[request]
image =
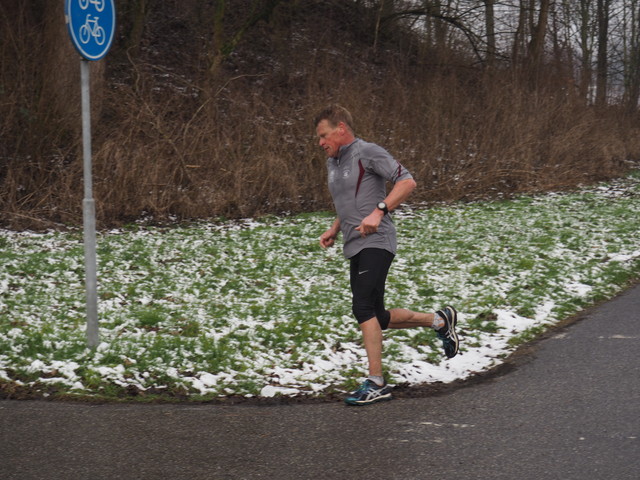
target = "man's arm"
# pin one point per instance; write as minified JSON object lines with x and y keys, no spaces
{"x":328,"y":238}
{"x":398,"y":194}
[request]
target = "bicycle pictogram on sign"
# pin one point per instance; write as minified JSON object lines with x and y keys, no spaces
{"x":91,"y":26}
{"x":99,"y":4}
{"x":87,"y":32}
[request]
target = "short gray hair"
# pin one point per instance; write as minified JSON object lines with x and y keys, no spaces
{"x":335,"y":114}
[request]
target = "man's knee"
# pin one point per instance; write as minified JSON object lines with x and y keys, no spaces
{"x":364,"y":312}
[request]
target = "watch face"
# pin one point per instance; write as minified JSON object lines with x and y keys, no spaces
{"x":382,"y":205}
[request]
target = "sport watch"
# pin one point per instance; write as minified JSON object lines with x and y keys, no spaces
{"x":382,"y":206}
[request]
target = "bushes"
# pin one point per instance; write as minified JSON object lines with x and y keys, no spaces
{"x":171,"y":139}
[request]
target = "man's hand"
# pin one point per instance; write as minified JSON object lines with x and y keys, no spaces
{"x":370,"y":223}
{"x":328,"y":238}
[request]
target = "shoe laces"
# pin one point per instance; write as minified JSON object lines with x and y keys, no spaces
{"x":366,"y":386}
{"x":444,"y":333}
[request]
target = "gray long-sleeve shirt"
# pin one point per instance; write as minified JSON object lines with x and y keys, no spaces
{"x":357,"y":182}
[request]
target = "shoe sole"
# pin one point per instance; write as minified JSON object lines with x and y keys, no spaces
{"x":356,"y":403}
{"x":454,"y":314}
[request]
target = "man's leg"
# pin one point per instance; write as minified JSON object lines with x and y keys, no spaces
{"x":372,"y":337}
{"x":400,"y":318}
{"x":403,"y":318}
{"x":443,"y":322}
{"x":368,"y":273}
{"x":374,"y":389}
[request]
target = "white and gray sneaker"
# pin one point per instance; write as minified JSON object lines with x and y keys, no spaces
{"x":368,"y":393}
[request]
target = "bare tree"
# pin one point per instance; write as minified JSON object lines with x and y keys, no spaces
{"x":539,"y":32}
{"x":522,"y":30}
{"x":587,"y":28}
{"x":223,"y":43}
{"x":134,"y":17}
{"x":440,"y":19}
{"x":602,"y":63}
{"x":490,"y":25}
{"x":632,"y":56}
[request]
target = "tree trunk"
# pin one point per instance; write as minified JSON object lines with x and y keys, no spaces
{"x":586,"y":47}
{"x":632,"y":64}
{"x":218,"y":36}
{"x":137,"y":17}
{"x":520,"y":35}
{"x":490,"y":22}
{"x":536,"y":46}
{"x":603,"y":43}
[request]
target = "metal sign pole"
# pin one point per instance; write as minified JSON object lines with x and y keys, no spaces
{"x":89,"y":213}
{"x":91,"y":25}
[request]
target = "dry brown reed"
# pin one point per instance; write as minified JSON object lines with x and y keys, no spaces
{"x":173,"y":142}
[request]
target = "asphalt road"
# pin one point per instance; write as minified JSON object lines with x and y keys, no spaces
{"x":568,"y":409}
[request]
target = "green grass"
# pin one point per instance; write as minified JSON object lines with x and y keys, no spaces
{"x":217,"y":309}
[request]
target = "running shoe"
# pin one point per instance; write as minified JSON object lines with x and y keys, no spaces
{"x":369,"y":393}
{"x":448,"y":333}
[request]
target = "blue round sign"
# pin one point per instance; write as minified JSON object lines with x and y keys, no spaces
{"x":91,"y":25}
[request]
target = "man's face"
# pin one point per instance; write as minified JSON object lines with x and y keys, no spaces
{"x":331,"y":138}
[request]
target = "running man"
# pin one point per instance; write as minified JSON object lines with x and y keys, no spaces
{"x":357,"y":175}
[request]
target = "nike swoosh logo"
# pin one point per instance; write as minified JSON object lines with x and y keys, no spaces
{"x":360,"y":273}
